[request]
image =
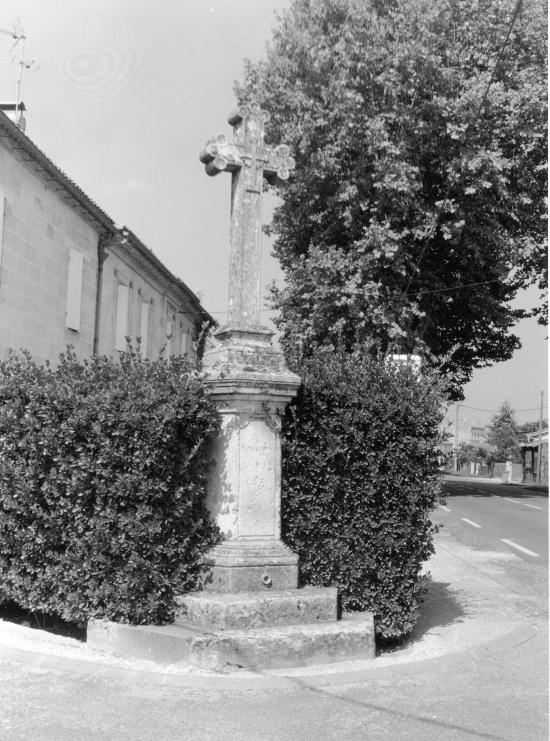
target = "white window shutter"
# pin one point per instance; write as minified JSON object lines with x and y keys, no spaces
{"x":144,"y":328}
{"x":74,"y":290}
{"x":2,"y":209}
{"x":121,"y":331}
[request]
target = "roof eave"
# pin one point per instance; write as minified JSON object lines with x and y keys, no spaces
{"x":93,"y":213}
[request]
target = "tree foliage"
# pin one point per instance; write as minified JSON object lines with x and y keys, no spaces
{"x":414,"y":213}
{"x":469,"y":453}
{"x":505,"y":435}
{"x":528,"y":427}
{"x":102,"y":486}
{"x":359,"y":481}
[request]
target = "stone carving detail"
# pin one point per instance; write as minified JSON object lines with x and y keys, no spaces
{"x":273,"y":418}
{"x":248,"y":147}
{"x":241,"y":419}
{"x":238,"y":422}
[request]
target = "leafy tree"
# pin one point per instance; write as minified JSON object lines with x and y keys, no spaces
{"x":468,"y":453}
{"x":505,"y":435}
{"x":416,"y":208}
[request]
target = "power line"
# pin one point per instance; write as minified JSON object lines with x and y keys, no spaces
{"x":457,"y":288}
{"x":418,"y":293}
{"x":476,"y":409}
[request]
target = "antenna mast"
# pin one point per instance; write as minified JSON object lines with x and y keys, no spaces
{"x":18,"y":34}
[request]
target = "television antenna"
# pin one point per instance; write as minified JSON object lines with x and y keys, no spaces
{"x":17,"y":33}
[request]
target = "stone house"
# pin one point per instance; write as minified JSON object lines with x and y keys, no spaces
{"x":70,"y":276}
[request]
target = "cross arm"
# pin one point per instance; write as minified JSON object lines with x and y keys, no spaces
{"x":219,"y":155}
{"x":279,"y":164}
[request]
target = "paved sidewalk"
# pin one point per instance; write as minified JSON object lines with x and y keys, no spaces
{"x":475,"y":667}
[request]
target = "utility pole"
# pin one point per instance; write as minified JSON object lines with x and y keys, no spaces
{"x":456,"y":437}
{"x":539,"y":456}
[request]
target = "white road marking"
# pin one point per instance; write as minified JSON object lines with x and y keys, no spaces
{"x":470,"y":522}
{"x":442,"y":506}
{"x":484,"y":492}
{"x":515,"y":501}
{"x":519,"y":547}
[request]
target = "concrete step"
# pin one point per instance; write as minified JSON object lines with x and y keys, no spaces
{"x":256,"y":648}
{"x":259,"y":609}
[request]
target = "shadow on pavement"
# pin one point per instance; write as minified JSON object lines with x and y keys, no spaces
{"x":542,"y":491}
{"x":440,"y":607}
{"x":516,"y":491}
{"x":449,"y":493}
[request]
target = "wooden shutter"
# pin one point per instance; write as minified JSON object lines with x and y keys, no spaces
{"x":121,"y":331}
{"x":74,"y":290}
{"x":144,"y":328}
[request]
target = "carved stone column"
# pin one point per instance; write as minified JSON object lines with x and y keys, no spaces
{"x":251,"y":387}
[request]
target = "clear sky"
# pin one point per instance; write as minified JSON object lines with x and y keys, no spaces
{"x":124,"y":96}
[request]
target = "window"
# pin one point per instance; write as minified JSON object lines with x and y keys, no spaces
{"x":144,"y":328}
{"x":121,"y":330}
{"x":171,"y":330}
{"x":186,"y":342}
{"x":74,"y":290}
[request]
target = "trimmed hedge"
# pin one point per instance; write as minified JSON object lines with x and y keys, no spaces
{"x":359,"y":480}
{"x":102,"y":485}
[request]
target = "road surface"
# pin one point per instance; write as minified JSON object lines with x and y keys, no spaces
{"x":502,"y":517}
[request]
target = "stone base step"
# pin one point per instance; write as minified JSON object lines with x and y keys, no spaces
{"x":259,"y":609}
{"x":257,"y":648}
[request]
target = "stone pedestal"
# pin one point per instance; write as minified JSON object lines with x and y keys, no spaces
{"x":251,"y":387}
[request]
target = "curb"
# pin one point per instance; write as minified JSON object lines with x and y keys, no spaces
{"x":257,"y":680}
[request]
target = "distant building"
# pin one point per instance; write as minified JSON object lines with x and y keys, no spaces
{"x":478,"y":435}
{"x":530,"y":456}
{"x":70,"y":276}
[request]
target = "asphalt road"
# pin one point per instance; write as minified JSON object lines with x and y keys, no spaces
{"x":501,"y":517}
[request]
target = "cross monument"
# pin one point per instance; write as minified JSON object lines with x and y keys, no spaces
{"x":248,"y":379}
{"x":249,"y":160}
{"x":250,"y":610}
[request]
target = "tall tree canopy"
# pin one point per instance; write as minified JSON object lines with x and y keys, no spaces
{"x":505,"y":435}
{"x":416,"y":210}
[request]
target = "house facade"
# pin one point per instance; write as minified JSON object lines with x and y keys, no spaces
{"x":70,"y":276}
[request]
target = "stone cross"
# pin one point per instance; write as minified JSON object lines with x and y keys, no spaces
{"x":247,"y":380}
{"x":249,"y":160}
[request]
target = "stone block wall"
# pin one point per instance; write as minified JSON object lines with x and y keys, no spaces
{"x":39,"y":231}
